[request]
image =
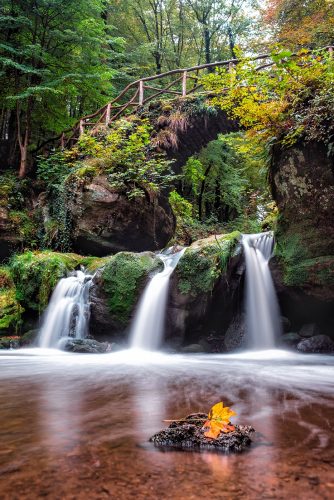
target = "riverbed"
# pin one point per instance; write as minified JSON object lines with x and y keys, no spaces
{"x":77,"y":426}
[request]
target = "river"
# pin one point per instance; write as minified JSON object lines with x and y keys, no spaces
{"x":77,"y":426}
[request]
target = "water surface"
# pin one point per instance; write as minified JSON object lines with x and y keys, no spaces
{"x":77,"y":426}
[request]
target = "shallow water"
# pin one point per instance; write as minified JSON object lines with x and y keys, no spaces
{"x":77,"y":426}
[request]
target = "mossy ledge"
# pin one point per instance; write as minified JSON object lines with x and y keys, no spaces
{"x":35,"y":275}
{"x":204,"y":261}
{"x":123,"y":278}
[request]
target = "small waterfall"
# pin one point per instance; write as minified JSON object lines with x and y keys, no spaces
{"x":148,"y":324}
{"x":67,"y":314}
{"x":262,"y":310}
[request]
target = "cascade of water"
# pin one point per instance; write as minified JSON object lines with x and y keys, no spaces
{"x":67,"y":314}
{"x":262,"y":310}
{"x":148,"y":324}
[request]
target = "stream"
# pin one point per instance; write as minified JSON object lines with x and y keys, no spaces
{"x":77,"y":426}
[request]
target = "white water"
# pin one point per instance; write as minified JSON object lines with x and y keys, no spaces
{"x":148,"y":324}
{"x":67,"y":314}
{"x":262,"y":310}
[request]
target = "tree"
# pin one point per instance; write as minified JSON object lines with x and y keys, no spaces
{"x":54,"y":66}
{"x":297,"y":24}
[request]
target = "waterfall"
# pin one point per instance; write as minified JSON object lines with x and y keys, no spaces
{"x":262,"y":310}
{"x":148,"y":324}
{"x":67,"y":314}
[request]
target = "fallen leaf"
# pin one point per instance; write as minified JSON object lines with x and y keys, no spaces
{"x":218,"y":421}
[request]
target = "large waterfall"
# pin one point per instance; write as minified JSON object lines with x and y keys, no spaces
{"x":67,"y":314}
{"x":262,"y":310}
{"x":148,"y":325}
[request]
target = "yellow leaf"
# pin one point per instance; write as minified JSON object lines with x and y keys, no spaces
{"x":218,"y":421}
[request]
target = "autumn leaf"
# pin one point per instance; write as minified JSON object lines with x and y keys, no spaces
{"x":218,"y":421}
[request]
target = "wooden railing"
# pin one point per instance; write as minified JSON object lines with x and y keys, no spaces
{"x":140,"y":92}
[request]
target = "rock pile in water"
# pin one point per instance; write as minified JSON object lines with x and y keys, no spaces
{"x":187,"y":434}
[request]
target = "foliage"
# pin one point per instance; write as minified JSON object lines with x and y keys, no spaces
{"x":218,"y":421}
{"x":278,"y":103}
{"x":123,"y":278}
{"x":36,"y":274}
{"x":296,"y":24}
{"x":182,"y":208}
{"x":10,"y":310}
{"x":54,"y":64}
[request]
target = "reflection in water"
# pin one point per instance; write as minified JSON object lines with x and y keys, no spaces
{"x":96,"y":413}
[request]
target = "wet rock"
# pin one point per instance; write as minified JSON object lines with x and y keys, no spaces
{"x":309,"y":330}
{"x":9,"y":342}
{"x":235,"y":336}
{"x":29,"y":337}
{"x":105,"y":221}
{"x":317,"y":344}
{"x":290,"y":339}
{"x":193,"y":348}
{"x":187,"y":434}
{"x":87,"y":346}
{"x":286,"y":324}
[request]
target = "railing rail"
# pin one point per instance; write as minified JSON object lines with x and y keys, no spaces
{"x":143,"y":92}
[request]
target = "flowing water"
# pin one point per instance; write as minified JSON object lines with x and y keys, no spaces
{"x":77,"y":426}
{"x":262,"y":310}
{"x":148,"y":324}
{"x":67,"y":314}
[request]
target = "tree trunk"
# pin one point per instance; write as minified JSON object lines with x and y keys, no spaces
{"x":200,"y":197}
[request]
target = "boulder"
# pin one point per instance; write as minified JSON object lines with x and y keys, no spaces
{"x":317,"y":344}
{"x":106,"y":221}
{"x":193,"y":349}
{"x":115,"y":291}
{"x":309,"y":330}
{"x":290,"y":339}
{"x":286,"y":324}
{"x":235,"y":336}
{"x":29,"y":338}
{"x":85,"y":346}
{"x":207,"y":281}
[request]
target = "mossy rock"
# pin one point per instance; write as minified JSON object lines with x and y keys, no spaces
{"x":123,"y":278}
{"x":204,"y":261}
{"x":10,"y":310}
{"x":36,"y":274}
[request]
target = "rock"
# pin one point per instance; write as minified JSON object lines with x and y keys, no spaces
{"x":29,"y":337}
{"x":309,"y":330}
{"x":188,"y":435}
{"x":115,"y":291}
{"x":290,"y":339}
{"x":9,"y":342}
{"x":286,"y":324}
{"x":105,"y":221}
{"x":317,"y":344}
{"x":207,"y":281}
{"x":235,"y":336}
{"x":87,"y":346}
{"x":193,"y":348}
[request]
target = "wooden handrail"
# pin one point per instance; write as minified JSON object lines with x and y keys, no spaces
{"x":114,"y":109}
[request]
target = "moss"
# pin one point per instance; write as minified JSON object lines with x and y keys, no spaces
{"x":123,"y":277}
{"x":300,"y":266}
{"x":23,"y":225}
{"x":10,"y":310}
{"x":35,"y":275}
{"x":203,"y":263}
{"x":92,"y":264}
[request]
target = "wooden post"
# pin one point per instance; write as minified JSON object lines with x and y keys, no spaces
{"x":62,"y":141}
{"x":331,"y":50}
{"x":141,"y":93}
{"x":107,"y":119}
{"x":81,"y":128}
{"x":184,"y":84}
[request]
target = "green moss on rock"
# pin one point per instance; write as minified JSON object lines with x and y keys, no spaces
{"x":203,"y":263}
{"x":10,"y":310}
{"x":123,"y":278}
{"x":35,"y":275}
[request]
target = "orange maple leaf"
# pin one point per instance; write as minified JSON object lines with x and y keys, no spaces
{"x":218,"y":421}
